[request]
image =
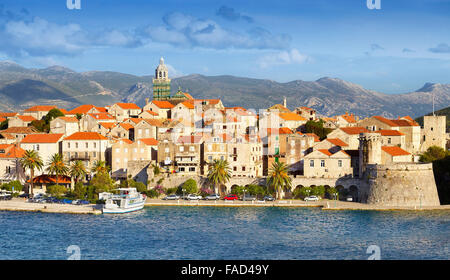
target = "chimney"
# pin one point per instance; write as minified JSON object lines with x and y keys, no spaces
{"x":146,"y":100}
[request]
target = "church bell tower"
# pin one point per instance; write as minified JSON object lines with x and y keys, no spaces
{"x":161,"y":82}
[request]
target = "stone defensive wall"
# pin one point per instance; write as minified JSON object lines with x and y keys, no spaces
{"x":401,"y":184}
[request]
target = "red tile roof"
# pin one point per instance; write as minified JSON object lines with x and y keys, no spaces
{"x":337,"y":142}
{"x":152,"y":113}
{"x":149,"y":141}
{"x":86,"y":136}
{"x":316,"y":138}
{"x":405,"y":123}
{"x":68,"y":119}
{"x":325,"y":151}
{"x":128,"y":106}
{"x":188,"y":104}
{"x":27,"y":118}
{"x":51,"y":179}
{"x":11,"y":151}
{"x":163,"y":104}
{"x":395,"y":151}
{"x":389,"y":132}
{"x":384,"y":120}
{"x":19,"y":130}
{"x":281,"y":130}
{"x":7,"y":114}
{"x":42,"y":138}
{"x":108,"y":125}
{"x":102,"y":116}
{"x":126,"y":126}
{"x":354,"y":130}
{"x":83,"y":109}
{"x":291,"y":117}
{"x":40,"y":108}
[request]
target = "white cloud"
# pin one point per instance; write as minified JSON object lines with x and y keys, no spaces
{"x":187,"y":31}
{"x":292,"y":56}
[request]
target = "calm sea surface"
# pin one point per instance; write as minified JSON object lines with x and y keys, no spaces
{"x":227,"y":233}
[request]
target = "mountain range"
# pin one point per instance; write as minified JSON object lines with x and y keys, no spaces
{"x":22,"y":87}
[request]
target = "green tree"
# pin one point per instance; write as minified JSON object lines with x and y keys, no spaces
{"x":318,"y":191}
{"x":317,"y":128}
{"x":77,"y":170}
{"x":190,"y":186}
{"x":13,"y":185}
{"x":433,"y":153}
{"x":332,"y":192}
{"x":4,"y":124}
{"x":238,"y":190}
{"x":156,"y":169}
{"x":31,"y":161}
{"x":52,"y":114}
{"x":100,"y":167}
{"x":219,"y":173}
{"x":80,"y":190}
{"x":56,"y":190}
{"x":302,"y":192}
{"x":40,"y":126}
{"x":255,"y":190}
{"x":57,"y":166}
{"x":278,"y":178}
{"x":101,"y":182}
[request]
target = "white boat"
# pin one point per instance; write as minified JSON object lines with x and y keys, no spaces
{"x":128,"y":200}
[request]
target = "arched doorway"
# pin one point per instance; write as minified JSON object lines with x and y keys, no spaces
{"x":354,"y":193}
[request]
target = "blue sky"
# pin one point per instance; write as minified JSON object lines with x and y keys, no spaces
{"x":395,"y":49}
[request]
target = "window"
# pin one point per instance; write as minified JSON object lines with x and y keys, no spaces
{"x":192,"y":148}
{"x":68,"y":145}
{"x":235,"y":159}
{"x":181,"y":148}
{"x":76,"y":145}
{"x":311,"y":163}
{"x":126,"y":150}
{"x":340,"y":163}
{"x":87,"y":145}
{"x":95,"y":154}
{"x":95,"y":145}
{"x":322,"y":163}
{"x":243,"y":168}
{"x":210,"y":158}
{"x":191,"y":169}
{"x":389,"y":140}
{"x":209,"y":147}
{"x":166,"y":150}
{"x":234,"y":168}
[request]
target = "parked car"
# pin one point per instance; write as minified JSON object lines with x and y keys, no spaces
{"x":349,"y":198}
{"x":172,"y":197}
{"x":212,"y":197}
{"x":231,"y":197}
{"x":82,"y":202}
{"x":269,"y":198}
{"x":24,"y":195}
{"x":312,"y":198}
{"x":248,"y":198}
{"x":193,"y":197}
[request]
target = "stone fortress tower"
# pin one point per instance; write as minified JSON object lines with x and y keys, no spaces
{"x":161,"y":82}
{"x":369,"y":150}
{"x":396,"y":184}
{"x":433,"y":132}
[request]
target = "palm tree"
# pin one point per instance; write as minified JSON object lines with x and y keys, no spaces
{"x":100,"y":167}
{"x":57,"y":166}
{"x":31,"y":160}
{"x":219,"y":173}
{"x":279,"y":178}
{"x":77,"y":170}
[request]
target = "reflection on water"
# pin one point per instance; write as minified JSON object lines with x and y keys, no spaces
{"x":227,"y":233}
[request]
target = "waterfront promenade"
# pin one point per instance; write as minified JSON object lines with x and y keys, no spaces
{"x":17,"y":204}
{"x":325,"y":204}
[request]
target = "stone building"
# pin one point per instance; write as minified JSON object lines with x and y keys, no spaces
{"x":433,"y":132}
{"x":324,"y":164}
{"x":46,"y":145}
{"x":64,"y":125}
{"x":88,"y":147}
{"x":10,"y":167}
{"x":122,"y":111}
